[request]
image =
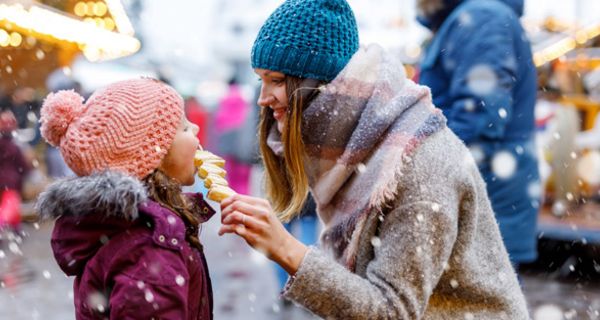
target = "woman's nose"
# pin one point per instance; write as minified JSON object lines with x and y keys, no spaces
{"x":264,"y":99}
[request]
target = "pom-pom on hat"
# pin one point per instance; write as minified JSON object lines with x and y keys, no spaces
{"x":307,"y":38}
{"x":127,"y":126}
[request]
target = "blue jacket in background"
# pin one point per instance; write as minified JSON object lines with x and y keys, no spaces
{"x":480,"y":70}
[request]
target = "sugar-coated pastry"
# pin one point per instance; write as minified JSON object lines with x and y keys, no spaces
{"x":206,"y":169}
{"x":219,"y":193}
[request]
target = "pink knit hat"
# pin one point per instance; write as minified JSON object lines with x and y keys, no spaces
{"x":128,"y":126}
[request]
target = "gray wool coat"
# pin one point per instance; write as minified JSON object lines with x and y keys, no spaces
{"x":437,"y":252}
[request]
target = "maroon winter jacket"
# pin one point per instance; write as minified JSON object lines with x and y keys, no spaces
{"x":13,"y":166}
{"x":128,"y":254}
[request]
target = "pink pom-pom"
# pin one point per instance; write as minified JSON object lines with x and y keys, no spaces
{"x":58,"y":111}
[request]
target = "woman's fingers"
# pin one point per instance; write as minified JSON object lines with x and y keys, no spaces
{"x":247,"y":199}
{"x":238,"y":229}
{"x":245,"y":208}
{"x":237,"y":217}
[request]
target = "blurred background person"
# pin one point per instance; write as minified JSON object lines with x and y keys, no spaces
{"x":229,"y":122}
{"x":197,"y":115}
{"x":480,"y":70}
{"x":14,"y":169}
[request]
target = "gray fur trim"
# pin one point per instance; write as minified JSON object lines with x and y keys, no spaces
{"x":108,"y":192}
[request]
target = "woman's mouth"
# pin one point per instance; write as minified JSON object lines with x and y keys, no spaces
{"x":279,"y":113}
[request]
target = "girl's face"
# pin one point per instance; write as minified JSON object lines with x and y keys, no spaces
{"x":273,"y":95}
{"x":179,"y":161}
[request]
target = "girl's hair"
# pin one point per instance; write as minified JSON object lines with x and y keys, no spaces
{"x":167,"y":192}
{"x":286,"y":181}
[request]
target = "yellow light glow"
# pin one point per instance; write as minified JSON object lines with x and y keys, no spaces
{"x":581,"y":37}
{"x":593,"y":32}
{"x":15,"y":39}
{"x":562,"y":47}
{"x":101,"y":44}
{"x":554,"y":51}
{"x":100,"y":9}
{"x":80,"y":9}
{"x":90,"y":7}
{"x":109,"y":24}
{"x":4,"y":38}
{"x":99,"y":22}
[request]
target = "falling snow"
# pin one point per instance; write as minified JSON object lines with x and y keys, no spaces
{"x":482,"y":80}
{"x":502,"y":113}
{"x":180,"y":280}
{"x":504,"y":164}
{"x":148,"y":296}
{"x":454,"y":283}
{"x":376,"y":242}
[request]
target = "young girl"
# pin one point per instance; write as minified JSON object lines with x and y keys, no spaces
{"x":408,"y":229}
{"x":123,"y":228}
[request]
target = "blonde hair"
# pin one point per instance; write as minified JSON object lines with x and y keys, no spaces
{"x":286,"y":182}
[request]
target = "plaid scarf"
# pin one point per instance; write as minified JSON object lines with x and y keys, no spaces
{"x":359,"y":132}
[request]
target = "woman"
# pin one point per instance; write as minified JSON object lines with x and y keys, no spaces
{"x":408,"y":229}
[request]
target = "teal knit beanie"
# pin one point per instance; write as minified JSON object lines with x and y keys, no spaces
{"x":307,"y":38}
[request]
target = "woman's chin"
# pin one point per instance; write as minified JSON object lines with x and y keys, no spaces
{"x":280,"y":126}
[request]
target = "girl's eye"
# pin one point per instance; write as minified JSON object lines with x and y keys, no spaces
{"x":277,"y":81}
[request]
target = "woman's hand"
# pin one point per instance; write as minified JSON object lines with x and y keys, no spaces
{"x":253,"y":219}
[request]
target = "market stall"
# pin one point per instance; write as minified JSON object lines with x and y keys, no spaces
{"x":568,"y":61}
{"x":37,"y":38}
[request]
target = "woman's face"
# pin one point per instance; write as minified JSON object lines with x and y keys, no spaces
{"x":273,"y":95}
{"x":179,"y":161}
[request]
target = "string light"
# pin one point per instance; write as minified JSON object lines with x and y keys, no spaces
{"x":4,"y":38}
{"x":100,"y":9}
{"x":80,"y":9}
{"x":101,"y":43}
{"x":561,"y":47}
{"x":15,"y":39}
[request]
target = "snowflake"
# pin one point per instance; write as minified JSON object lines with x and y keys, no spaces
{"x":504,"y":164}
{"x":482,"y":80}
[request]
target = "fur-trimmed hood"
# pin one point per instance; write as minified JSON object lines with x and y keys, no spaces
{"x":92,"y":210}
{"x":89,"y":211}
{"x":108,"y":193}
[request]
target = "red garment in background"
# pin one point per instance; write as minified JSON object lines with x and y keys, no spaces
{"x":197,"y":115}
{"x":10,"y":209}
